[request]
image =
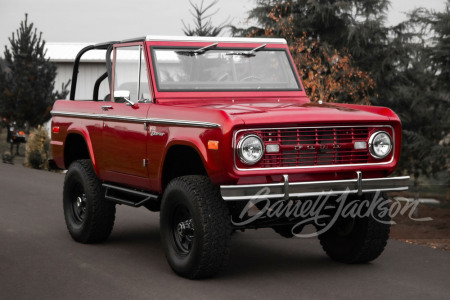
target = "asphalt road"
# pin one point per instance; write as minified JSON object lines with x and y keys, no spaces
{"x":39,"y":260}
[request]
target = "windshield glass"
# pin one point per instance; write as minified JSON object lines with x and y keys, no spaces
{"x":182,"y":69}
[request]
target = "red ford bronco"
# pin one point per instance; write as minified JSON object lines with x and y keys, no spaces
{"x":218,"y":135}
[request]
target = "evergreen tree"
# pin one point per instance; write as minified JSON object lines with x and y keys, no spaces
{"x":355,"y":25}
{"x":202,"y":21}
{"x":411,"y":72}
{"x":422,"y":96}
{"x":27,"y":81}
{"x":2,"y":83}
{"x":328,"y":74}
{"x":439,"y":23}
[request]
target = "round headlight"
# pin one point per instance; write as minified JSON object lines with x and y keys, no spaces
{"x":380,"y":144}
{"x":250,"y":149}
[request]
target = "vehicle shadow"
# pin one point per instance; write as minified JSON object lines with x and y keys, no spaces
{"x":259,"y":254}
{"x":145,"y":236}
{"x":271,"y":255}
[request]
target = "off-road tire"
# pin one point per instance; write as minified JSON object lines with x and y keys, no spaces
{"x":364,"y":242}
{"x":209,"y":248}
{"x":97,"y":220}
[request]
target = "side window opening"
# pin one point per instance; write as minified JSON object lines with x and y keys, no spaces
{"x":144,"y":90}
{"x":92,"y":66}
{"x":130,"y":73}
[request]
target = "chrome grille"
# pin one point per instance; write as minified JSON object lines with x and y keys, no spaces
{"x":314,"y":146}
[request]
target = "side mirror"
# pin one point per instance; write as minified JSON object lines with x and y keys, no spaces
{"x":125,"y":95}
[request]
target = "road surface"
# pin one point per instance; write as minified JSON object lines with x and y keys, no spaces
{"x":39,"y":260}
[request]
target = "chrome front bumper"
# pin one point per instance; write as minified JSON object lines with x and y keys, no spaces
{"x":286,"y":190}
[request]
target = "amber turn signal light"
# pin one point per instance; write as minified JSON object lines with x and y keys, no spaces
{"x":213,"y":145}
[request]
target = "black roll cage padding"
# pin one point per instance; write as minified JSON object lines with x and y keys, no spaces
{"x":109,"y":65}
{"x":108,"y":74}
{"x":97,"y":85}
{"x":108,"y":46}
{"x":76,"y":64}
{"x":75,"y":70}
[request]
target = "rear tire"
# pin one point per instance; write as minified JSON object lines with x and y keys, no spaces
{"x":89,"y":217}
{"x":358,"y":240}
{"x":195,"y":227}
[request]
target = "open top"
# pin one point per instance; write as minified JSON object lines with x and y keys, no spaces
{"x":214,"y":39}
{"x":193,"y":65}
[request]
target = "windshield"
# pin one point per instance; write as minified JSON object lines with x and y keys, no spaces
{"x":212,"y":69}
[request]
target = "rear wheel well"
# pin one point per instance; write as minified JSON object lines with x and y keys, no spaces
{"x":75,"y":148}
{"x":180,"y":161}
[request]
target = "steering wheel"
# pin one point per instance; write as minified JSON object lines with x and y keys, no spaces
{"x":223,"y":77}
{"x":251,"y":77}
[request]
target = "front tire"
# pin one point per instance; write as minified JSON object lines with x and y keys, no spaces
{"x":89,"y":217}
{"x":195,"y":227}
{"x":359,"y":240}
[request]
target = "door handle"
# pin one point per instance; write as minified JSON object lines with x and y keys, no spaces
{"x":106,"y":107}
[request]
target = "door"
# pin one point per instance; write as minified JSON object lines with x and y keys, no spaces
{"x":124,"y":130}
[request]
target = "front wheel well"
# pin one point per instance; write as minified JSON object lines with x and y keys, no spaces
{"x":180,"y":161}
{"x":75,"y":148}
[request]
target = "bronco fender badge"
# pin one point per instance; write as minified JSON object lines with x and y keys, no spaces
{"x":153,"y":132}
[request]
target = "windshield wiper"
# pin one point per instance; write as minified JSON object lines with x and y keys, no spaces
{"x":248,"y":53}
{"x":196,"y":51}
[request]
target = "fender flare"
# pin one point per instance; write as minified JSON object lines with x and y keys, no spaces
{"x":189,"y":143}
{"x":85,"y":136}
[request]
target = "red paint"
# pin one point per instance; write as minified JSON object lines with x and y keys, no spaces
{"x":117,"y":148}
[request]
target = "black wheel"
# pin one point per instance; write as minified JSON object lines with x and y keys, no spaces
{"x":195,"y":227}
{"x":358,"y":240}
{"x":89,"y":217}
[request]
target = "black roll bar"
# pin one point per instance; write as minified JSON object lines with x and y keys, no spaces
{"x":108,"y":46}
{"x":103,"y":46}
{"x":97,"y":85}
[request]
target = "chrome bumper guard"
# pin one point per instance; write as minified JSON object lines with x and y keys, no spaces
{"x":286,"y":190}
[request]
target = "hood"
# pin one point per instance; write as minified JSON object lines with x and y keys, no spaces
{"x":295,"y":113}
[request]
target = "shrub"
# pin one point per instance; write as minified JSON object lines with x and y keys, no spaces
{"x":37,"y":150}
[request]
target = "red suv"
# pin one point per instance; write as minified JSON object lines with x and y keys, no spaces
{"x":217,"y":134}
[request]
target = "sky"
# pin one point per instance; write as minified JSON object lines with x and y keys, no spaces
{"x":100,"y":21}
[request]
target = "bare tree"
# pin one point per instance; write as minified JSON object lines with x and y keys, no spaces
{"x":202,"y":21}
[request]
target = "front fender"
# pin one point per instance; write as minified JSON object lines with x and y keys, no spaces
{"x":88,"y":142}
